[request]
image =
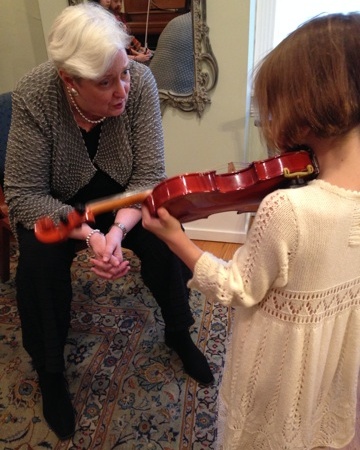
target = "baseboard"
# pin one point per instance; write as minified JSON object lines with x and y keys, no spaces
{"x":224,"y":227}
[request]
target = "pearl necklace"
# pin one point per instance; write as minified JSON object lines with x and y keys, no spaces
{"x":79,"y":111}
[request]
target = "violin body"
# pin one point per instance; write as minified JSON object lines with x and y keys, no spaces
{"x":196,"y":196}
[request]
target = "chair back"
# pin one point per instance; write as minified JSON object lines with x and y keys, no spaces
{"x":5,"y":120}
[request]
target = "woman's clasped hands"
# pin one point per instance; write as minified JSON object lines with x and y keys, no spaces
{"x":108,"y":261}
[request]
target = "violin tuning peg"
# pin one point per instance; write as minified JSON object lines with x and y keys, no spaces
{"x":80,"y":208}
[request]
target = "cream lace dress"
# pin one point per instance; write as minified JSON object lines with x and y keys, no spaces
{"x":292,"y":364}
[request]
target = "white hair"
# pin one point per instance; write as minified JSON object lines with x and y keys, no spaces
{"x":84,"y":39}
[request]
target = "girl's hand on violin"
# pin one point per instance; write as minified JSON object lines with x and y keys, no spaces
{"x":168,"y":228}
{"x":165,"y":226}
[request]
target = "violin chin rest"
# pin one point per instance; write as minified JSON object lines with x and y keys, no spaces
{"x":297,"y":182}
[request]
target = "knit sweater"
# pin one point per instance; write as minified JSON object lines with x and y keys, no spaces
{"x":290,"y":378}
{"x":47,"y":161}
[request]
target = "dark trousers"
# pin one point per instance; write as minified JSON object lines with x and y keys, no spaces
{"x":44,"y":291}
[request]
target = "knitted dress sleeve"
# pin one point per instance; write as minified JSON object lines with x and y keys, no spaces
{"x":145,"y":130}
{"x":29,"y":156}
{"x":260,"y":264}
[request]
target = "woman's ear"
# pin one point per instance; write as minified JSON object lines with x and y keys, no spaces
{"x":66,"y":78}
{"x":69,"y":82}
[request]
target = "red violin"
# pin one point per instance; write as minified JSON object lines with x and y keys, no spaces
{"x":196,"y":196}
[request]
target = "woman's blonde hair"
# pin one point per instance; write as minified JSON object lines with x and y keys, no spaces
{"x":311,"y":81}
{"x":84,"y":40}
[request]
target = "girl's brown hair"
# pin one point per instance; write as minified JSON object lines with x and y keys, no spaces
{"x":311,"y":81}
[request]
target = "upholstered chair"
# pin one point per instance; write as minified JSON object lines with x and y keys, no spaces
{"x":5,"y":232}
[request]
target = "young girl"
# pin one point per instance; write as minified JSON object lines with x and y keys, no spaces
{"x":292,"y":368}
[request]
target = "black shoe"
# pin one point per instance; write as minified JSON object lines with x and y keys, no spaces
{"x":195,"y":363}
{"x":57,"y":408}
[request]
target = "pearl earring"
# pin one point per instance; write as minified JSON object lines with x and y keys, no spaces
{"x":73,"y":93}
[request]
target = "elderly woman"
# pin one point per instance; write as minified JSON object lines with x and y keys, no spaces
{"x":85,"y":125}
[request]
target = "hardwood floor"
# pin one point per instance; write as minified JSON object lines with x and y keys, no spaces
{"x":225,"y":251}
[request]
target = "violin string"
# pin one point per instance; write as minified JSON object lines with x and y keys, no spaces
{"x":232,"y":166}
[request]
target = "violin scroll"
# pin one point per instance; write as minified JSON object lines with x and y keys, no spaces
{"x":48,"y":232}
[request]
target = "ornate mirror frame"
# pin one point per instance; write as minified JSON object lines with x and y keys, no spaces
{"x":205,"y":67}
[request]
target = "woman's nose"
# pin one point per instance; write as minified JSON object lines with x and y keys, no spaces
{"x":120,"y":89}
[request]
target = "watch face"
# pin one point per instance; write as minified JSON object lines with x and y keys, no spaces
{"x":122,"y":228}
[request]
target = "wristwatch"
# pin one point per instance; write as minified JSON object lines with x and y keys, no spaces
{"x":122,"y":228}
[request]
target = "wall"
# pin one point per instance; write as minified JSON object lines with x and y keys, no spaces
{"x":22,"y":43}
{"x":49,"y":10}
{"x":224,"y":133}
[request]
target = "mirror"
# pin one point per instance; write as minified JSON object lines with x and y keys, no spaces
{"x":205,"y":68}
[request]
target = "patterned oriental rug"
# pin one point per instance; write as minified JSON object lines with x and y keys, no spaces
{"x":128,"y":387}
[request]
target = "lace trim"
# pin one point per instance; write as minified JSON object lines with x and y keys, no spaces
{"x":303,"y":308}
{"x":264,"y":216}
{"x":354,"y":235}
